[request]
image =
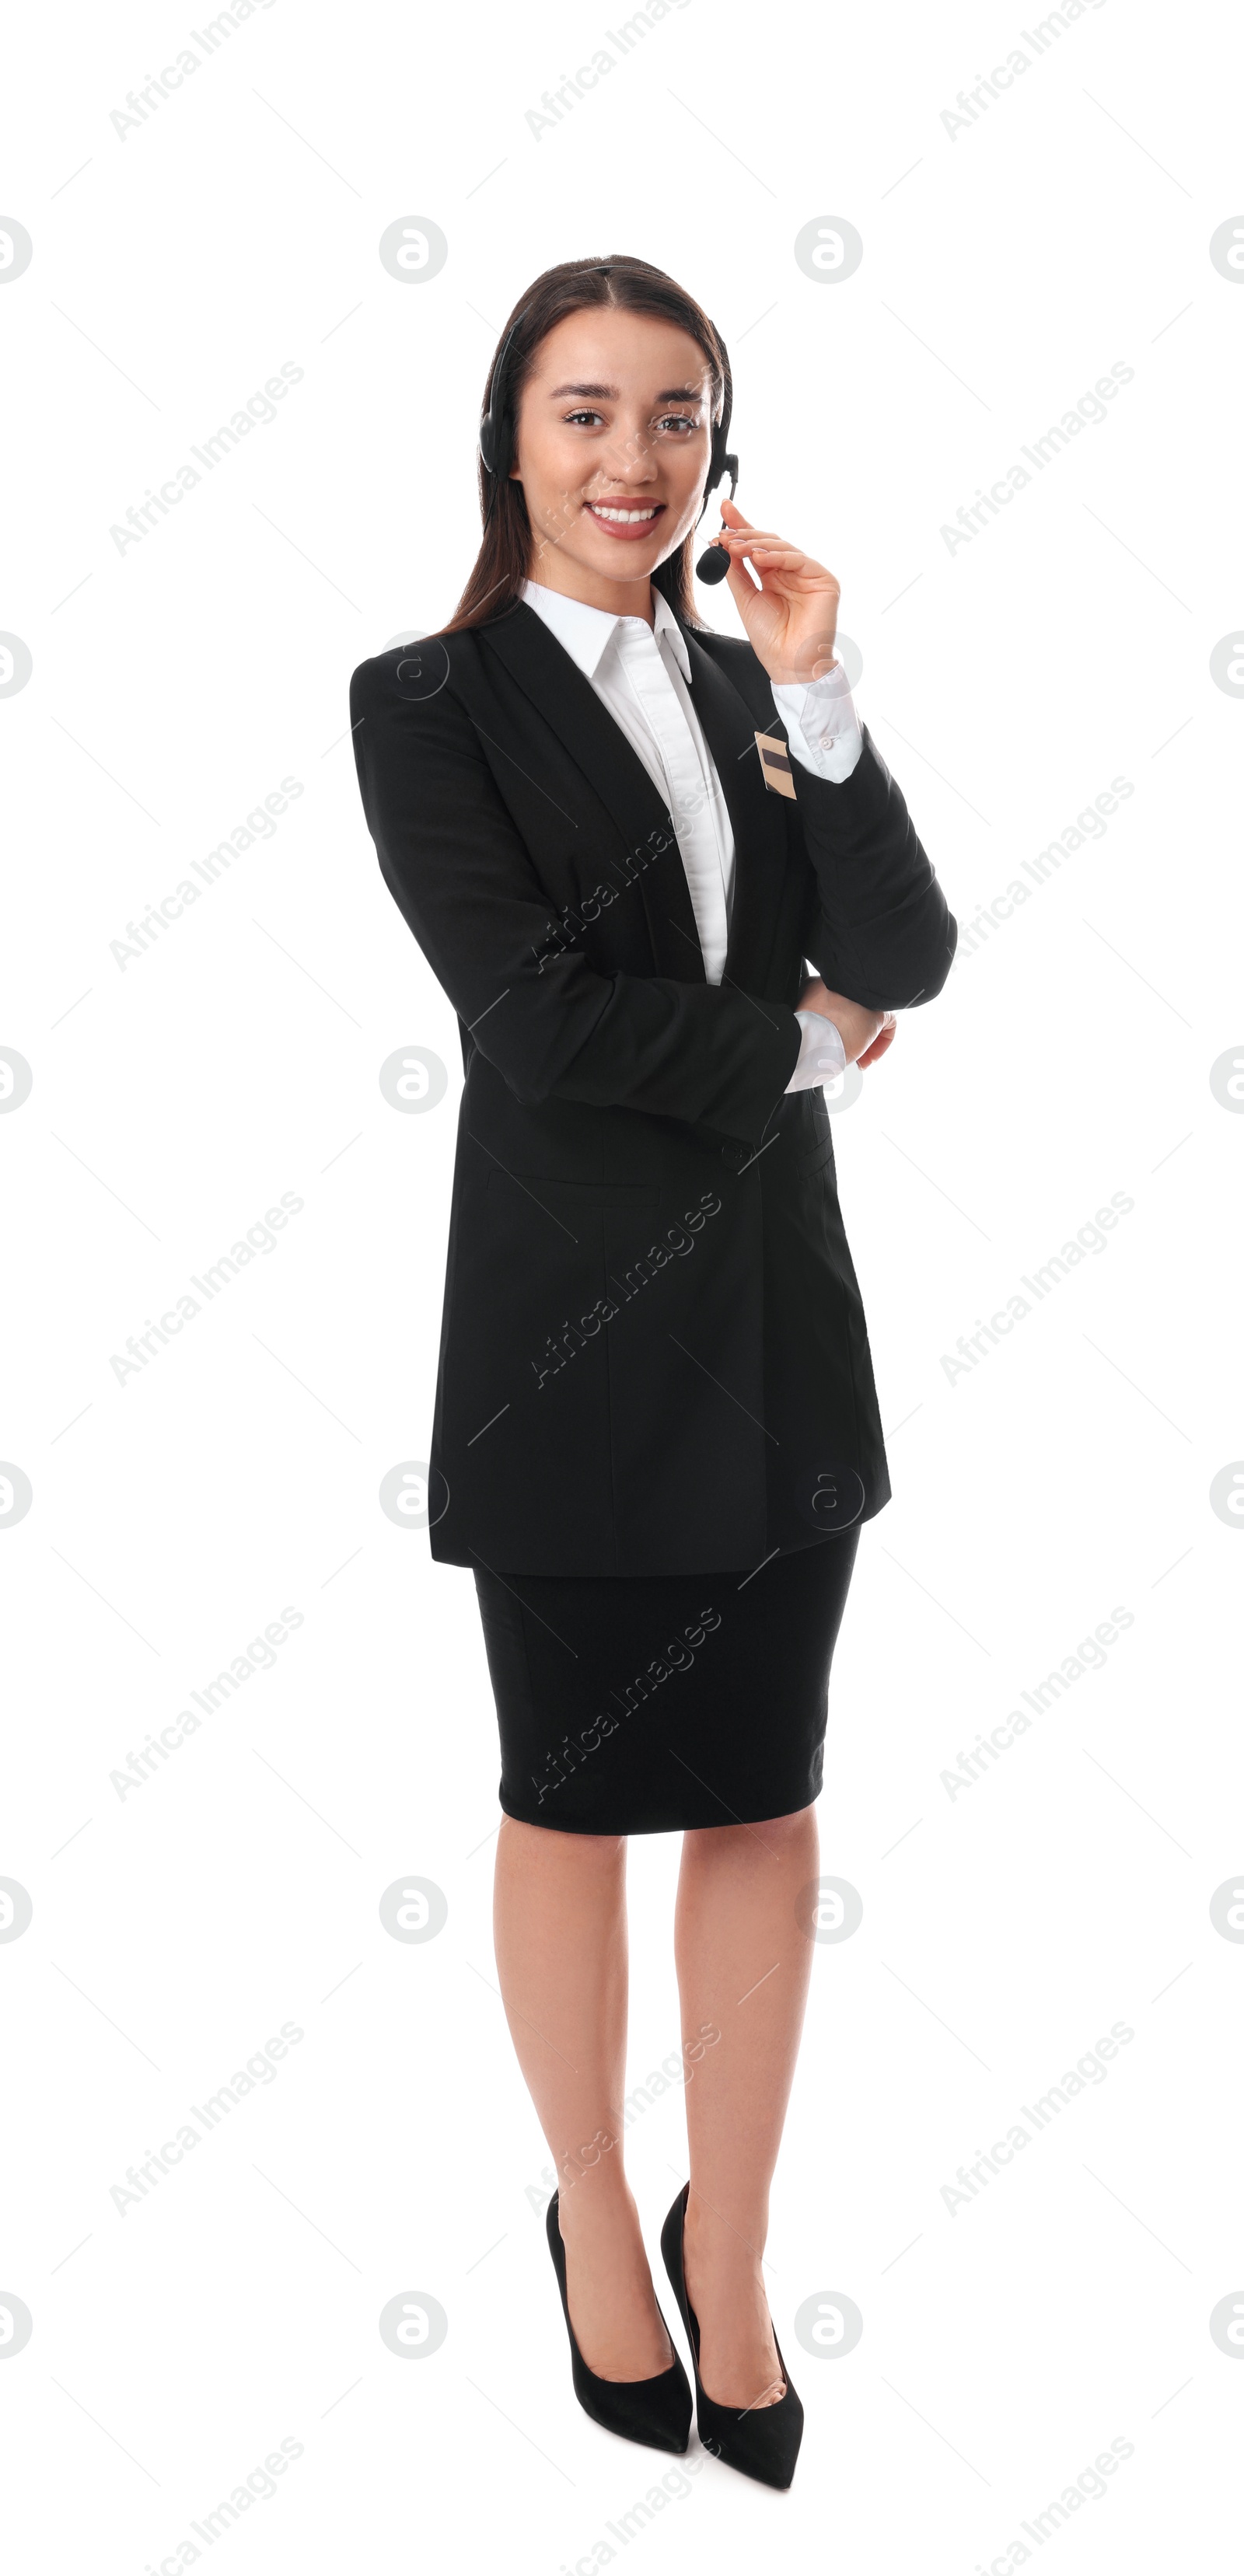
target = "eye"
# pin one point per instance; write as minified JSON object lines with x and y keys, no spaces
{"x":573,"y":417}
{"x":678,"y":420}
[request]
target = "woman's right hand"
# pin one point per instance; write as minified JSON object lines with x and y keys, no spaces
{"x":865,"y":1034}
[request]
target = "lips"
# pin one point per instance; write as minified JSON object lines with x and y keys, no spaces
{"x":628,"y":520}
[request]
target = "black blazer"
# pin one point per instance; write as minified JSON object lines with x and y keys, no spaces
{"x":653,"y":1357}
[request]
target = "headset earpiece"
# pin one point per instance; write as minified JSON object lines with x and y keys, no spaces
{"x":494,"y":441}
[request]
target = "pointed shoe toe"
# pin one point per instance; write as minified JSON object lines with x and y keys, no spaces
{"x":762,"y":2442}
{"x":657,"y":2411}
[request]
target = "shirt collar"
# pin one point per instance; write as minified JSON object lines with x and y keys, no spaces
{"x":587,"y":632}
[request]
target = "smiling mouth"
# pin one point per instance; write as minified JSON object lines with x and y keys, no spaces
{"x":620,"y":515}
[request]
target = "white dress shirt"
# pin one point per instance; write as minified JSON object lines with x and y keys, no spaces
{"x":642,"y":675}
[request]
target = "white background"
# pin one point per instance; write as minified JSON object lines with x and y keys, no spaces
{"x":178,"y":1096}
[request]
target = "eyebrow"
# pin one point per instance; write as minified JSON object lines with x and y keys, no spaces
{"x":609,"y":393}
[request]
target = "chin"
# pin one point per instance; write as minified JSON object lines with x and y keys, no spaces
{"x":621,"y":563}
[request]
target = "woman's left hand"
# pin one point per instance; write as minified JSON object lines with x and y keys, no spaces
{"x":792,"y":619}
{"x":846,"y":1016}
{"x":884,"y":1038}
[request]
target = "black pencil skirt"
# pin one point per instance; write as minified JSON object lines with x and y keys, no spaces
{"x":646,"y":1704}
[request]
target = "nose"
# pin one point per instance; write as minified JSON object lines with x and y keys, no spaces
{"x":629,"y":458}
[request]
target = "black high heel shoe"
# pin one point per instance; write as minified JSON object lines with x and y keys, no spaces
{"x":762,"y":2441}
{"x":654,"y":2411}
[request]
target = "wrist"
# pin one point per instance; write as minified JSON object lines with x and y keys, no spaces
{"x":814,"y":659}
{"x":822,"y":1055}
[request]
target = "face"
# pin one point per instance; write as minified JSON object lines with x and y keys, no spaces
{"x":613,"y":440}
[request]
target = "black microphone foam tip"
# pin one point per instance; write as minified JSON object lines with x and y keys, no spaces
{"x":713,"y":565}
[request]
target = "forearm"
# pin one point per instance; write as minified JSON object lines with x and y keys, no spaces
{"x":878,"y":926}
{"x":706,"y":1053}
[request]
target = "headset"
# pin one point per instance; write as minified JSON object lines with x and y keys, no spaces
{"x":496,"y":445}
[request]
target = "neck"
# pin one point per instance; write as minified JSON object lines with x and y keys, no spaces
{"x":556,"y":571}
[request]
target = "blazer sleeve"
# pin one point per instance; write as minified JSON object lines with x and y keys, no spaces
{"x":554,"y":1027}
{"x":877,"y":924}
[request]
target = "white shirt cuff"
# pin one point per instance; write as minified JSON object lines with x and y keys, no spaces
{"x":822,"y":1056}
{"x":822,"y":727}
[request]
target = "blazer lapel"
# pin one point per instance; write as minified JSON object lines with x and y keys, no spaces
{"x":554,"y":684}
{"x":756,"y":817}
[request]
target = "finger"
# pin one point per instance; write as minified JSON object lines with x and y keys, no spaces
{"x":755,"y":581}
{"x":877,"y":1049}
{"x":752,"y":566}
{"x":740,"y":584}
{"x":742,"y":540}
{"x":772,"y":554}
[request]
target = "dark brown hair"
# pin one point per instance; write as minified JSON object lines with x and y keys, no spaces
{"x":503,"y":562}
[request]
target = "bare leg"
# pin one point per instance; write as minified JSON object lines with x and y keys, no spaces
{"x":743,"y":1969}
{"x":559,"y":1924}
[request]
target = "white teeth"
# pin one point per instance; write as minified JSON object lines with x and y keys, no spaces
{"x":626,"y":518}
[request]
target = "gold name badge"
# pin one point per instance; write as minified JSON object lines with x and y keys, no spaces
{"x":775,"y":764}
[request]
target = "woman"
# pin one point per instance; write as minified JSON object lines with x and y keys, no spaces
{"x":620,"y":839}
